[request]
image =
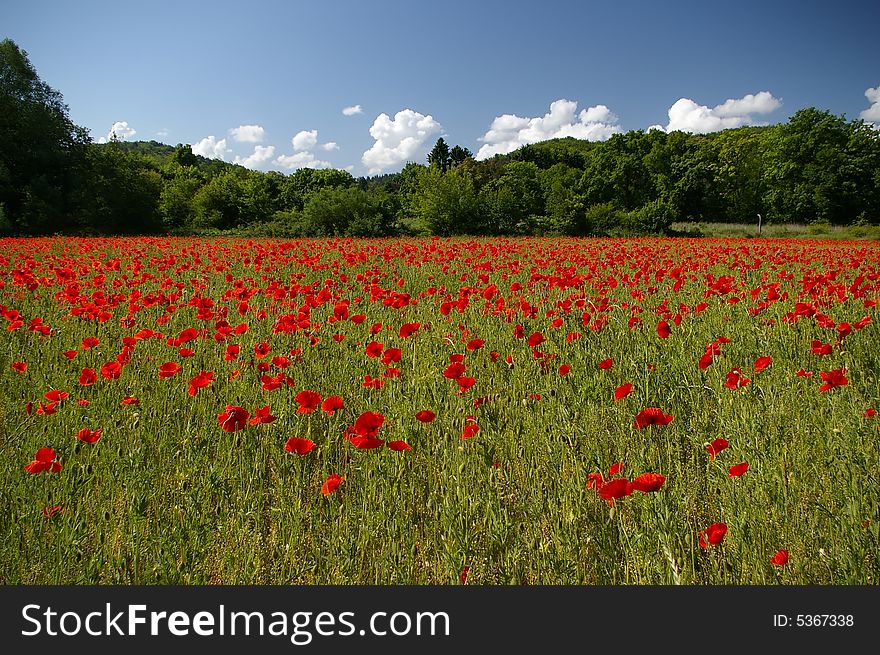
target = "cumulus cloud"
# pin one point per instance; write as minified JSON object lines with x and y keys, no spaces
{"x":398,"y":140}
{"x":687,"y":116}
{"x":163,"y":133}
{"x":509,"y":132}
{"x":351,"y":111}
{"x":872,"y":113}
{"x":121,"y":130}
{"x":259,"y":157}
{"x":248,"y":133}
{"x":301,"y":160}
{"x":330,"y":145}
{"x":305,"y":140}
{"x":211,"y":148}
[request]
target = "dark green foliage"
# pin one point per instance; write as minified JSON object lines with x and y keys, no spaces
{"x":348,"y":211}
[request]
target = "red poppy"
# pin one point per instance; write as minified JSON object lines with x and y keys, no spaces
{"x":49,"y":512}
{"x":425,"y":416}
{"x":332,"y":404}
{"x":44,"y":461}
{"x":231,"y":353}
{"x":409,"y":329}
{"x":804,"y":374}
{"x":615,"y":469}
{"x":595,"y":480}
{"x":738,"y":470}
{"x":262,"y":415}
{"x":19,"y":367}
{"x":469,"y":431}
{"x":564,"y":369}
{"x":368,"y":424}
{"x":463,"y":576}
{"x":454,"y":370}
{"x":200,"y":381}
{"x":90,"y":342}
{"x":716,"y":447}
{"x":652,"y":416}
{"x":706,"y":360}
{"x":374,"y":349}
{"x":735,"y":379}
{"x":398,"y":445}
{"x":605,"y":364}
{"x":833,"y":379}
{"x":373,"y":383}
{"x":391,"y":356}
{"x":535,"y":339}
{"x":70,"y":354}
{"x":262,"y":349}
{"x":870,"y":413}
{"x":88,"y":436}
{"x":331,"y":484}
{"x":169,"y":369}
{"x":464,"y":384}
{"x":56,"y":396}
{"x":88,"y":377}
{"x":714,"y":534}
{"x":616,"y":488}
{"x":111,"y":370}
{"x":308,"y":401}
{"x":648,"y":482}
{"x":780,"y":558}
{"x":233,"y":418}
{"x":663,"y":330}
{"x":131,"y":400}
{"x":821,"y":349}
{"x":299,"y":445}
{"x":475,"y":344}
{"x":623,"y":391}
{"x":762,"y":362}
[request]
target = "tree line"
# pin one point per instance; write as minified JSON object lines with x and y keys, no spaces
{"x":817,"y":167}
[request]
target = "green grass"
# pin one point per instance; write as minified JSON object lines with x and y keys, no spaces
{"x":822,"y":231}
{"x":166,"y":497}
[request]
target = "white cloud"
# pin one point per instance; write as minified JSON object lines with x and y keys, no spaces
{"x":301,"y":160}
{"x":351,"y":111}
{"x":687,"y":116}
{"x":398,"y":140}
{"x":305,"y":140}
{"x":163,"y":133}
{"x":509,"y":132}
{"x":121,"y":130}
{"x":872,"y":113}
{"x":261,"y":155}
{"x":248,"y":133}
{"x":330,"y":145}
{"x":211,"y":148}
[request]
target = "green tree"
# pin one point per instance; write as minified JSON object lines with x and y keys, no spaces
{"x":41,"y":151}
{"x":439,"y":155}
{"x":513,"y":202}
{"x":447,"y":204}
{"x":458,"y":155}
{"x":349,"y":211}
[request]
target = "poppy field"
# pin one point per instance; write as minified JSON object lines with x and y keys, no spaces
{"x":439,"y":411}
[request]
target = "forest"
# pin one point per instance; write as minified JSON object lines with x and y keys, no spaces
{"x":816,"y":168}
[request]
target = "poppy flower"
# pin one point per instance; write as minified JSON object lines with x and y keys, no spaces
{"x":663,"y":330}
{"x":648,"y":482}
{"x":131,"y":400}
{"x":780,"y":558}
{"x":200,"y":381}
{"x":762,"y":362}
{"x":49,"y":512}
{"x":298,"y":445}
{"x":409,"y":329}
{"x":168,"y":369}
{"x":331,"y":404}
{"x":262,"y":415}
{"x":716,"y":447}
{"x":714,"y":535}
{"x":70,"y":354}
{"x":425,"y":416}
{"x":374,"y":349}
{"x":398,"y":445}
{"x":368,"y":424}
{"x":469,"y":431}
{"x":331,"y":484}
{"x":308,"y":401}
{"x":56,"y":396}
{"x":595,"y":480}
{"x":615,"y":469}
{"x":652,"y":416}
{"x":464,"y":384}
{"x":819,"y":348}
{"x":90,"y":342}
{"x":234,"y":418}
{"x":262,"y":349}
{"x":605,"y":364}
{"x":391,"y":356}
{"x":535,"y":339}
{"x":564,"y":369}
{"x":454,"y":371}
{"x":44,"y":461}
{"x":373,"y":383}
{"x":231,"y":353}
{"x":833,"y":379}
{"x":706,"y":361}
{"x":463,"y":576}
{"x":19,"y":367}
{"x":475,"y":344}
{"x":870,"y":413}
{"x":623,"y":391}
{"x":738,"y":470}
{"x":616,"y":488}
{"x":88,"y":436}
{"x":111,"y":370}
{"x":804,"y":374}
{"x":735,"y":379}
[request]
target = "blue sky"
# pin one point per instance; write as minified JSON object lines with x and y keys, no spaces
{"x":488,"y":75}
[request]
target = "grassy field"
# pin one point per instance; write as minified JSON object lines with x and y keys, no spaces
{"x":820,"y":231}
{"x":537,"y":358}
